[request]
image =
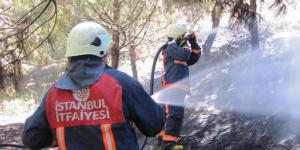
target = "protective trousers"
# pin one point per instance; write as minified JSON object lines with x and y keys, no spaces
{"x":174,"y":109}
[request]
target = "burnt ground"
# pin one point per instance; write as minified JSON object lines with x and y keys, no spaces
{"x":11,"y":134}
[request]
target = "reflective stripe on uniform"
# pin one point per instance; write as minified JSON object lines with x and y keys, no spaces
{"x":162,"y":132}
{"x":166,"y":137}
{"x":180,"y":62}
{"x":108,"y":137}
{"x":197,"y":51}
{"x":183,"y":87}
{"x":164,"y":82}
{"x":60,"y":136}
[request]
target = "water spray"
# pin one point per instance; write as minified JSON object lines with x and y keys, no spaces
{"x":272,"y":85}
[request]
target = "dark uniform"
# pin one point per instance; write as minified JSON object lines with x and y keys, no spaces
{"x":97,"y":117}
{"x":176,"y":61}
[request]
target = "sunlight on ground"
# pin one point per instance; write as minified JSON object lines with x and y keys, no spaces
{"x":16,"y":111}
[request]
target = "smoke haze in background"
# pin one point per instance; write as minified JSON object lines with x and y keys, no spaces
{"x":257,"y":83}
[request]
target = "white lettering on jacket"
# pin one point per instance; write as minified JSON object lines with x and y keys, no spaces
{"x":78,"y":111}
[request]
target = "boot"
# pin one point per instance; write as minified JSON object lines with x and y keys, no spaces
{"x":171,"y":146}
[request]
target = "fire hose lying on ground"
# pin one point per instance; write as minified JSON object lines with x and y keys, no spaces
{"x":12,"y":145}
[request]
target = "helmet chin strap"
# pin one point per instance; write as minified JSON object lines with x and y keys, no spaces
{"x":182,"y":40}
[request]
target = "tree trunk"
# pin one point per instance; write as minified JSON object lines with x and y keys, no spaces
{"x":215,"y":15}
{"x":15,"y":73}
{"x":17,"y":66}
{"x":3,"y":72}
{"x":2,"y":76}
{"x":115,"y":49}
{"x":132,"y":55}
{"x":254,"y":27}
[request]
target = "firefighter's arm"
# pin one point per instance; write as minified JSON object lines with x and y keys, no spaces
{"x":195,"y":48}
{"x":193,"y":58}
{"x":178,"y":53}
{"x":37,"y":133}
{"x":144,"y":111}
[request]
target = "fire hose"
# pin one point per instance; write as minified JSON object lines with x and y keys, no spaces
{"x":13,"y":145}
{"x":151,"y":88}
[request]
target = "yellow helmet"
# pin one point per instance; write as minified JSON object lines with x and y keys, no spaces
{"x":176,"y":30}
{"x":88,"y":38}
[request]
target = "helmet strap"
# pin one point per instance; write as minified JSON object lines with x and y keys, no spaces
{"x":182,"y":40}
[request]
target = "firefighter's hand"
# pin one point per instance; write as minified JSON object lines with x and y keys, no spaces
{"x":194,"y":45}
{"x":192,"y":38}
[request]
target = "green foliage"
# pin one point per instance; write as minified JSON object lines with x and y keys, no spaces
{"x":23,"y":30}
{"x":207,"y":6}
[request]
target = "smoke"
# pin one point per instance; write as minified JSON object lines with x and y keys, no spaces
{"x":257,"y":83}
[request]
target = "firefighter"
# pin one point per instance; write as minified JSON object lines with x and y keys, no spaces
{"x":178,"y":56}
{"x":92,"y":107}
